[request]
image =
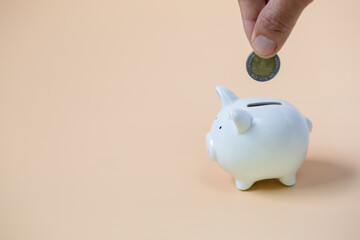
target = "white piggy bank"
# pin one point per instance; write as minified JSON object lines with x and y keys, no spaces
{"x":258,"y":138}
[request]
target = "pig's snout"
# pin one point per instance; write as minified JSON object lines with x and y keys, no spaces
{"x":210,"y":147}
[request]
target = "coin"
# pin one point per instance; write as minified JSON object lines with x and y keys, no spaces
{"x":262,"y":69}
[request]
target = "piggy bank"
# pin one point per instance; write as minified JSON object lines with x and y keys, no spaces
{"x":258,"y":138}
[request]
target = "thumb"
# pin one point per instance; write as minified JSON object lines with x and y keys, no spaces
{"x":274,"y":25}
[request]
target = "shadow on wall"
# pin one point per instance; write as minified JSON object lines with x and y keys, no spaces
{"x":321,"y":173}
{"x":313,"y":175}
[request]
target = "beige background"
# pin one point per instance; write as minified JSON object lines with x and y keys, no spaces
{"x":104,"y":107}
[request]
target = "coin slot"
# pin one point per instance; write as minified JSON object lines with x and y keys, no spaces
{"x":263,"y":104}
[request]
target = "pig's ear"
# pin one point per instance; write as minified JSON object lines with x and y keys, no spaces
{"x":226,"y":96}
{"x":309,"y":124}
{"x":242,"y":119}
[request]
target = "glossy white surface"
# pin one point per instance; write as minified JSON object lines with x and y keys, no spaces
{"x":258,"y":138}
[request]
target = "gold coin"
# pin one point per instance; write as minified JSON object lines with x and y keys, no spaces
{"x":262,"y":69}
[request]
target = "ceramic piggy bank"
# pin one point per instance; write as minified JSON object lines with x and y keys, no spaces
{"x":258,"y":138}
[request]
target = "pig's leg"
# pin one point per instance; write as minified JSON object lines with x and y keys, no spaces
{"x":288,"y":180}
{"x":243,"y":185}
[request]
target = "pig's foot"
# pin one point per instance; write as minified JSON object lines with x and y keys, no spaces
{"x":288,"y":180}
{"x":242,"y":185}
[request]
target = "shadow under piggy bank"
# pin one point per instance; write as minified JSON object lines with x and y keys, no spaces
{"x":313,"y":174}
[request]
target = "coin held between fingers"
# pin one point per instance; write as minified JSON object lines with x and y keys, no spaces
{"x":261,"y":69}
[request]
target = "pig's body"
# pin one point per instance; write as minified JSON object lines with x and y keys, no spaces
{"x":258,"y":138}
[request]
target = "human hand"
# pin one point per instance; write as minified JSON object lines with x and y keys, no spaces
{"x":268,"y":23}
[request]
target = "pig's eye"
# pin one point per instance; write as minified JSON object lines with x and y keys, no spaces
{"x":215,"y":118}
{"x":220,"y":127}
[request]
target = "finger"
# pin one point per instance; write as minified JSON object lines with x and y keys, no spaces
{"x":250,"y":10}
{"x":274,"y":25}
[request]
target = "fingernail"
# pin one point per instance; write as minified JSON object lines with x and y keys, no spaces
{"x":263,"y":46}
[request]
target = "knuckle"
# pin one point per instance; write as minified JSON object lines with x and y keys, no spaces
{"x":279,"y":23}
{"x":306,"y":2}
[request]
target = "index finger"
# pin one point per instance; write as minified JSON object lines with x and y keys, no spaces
{"x":250,"y":10}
